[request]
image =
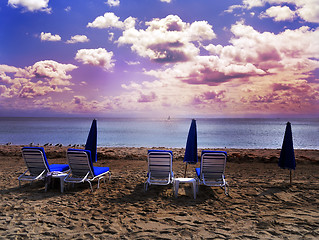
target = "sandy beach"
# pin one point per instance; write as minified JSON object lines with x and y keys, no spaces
{"x":261,"y":205}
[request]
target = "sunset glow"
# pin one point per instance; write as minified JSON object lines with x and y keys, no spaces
{"x":179,"y":58}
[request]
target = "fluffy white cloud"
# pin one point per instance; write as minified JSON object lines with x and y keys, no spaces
{"x":168,"y":39}
{"x":308,"y":10}
{"x":97,"y":57}
{"x":279,"y":13}
{"x":78,"y":38}
{"x":50,"y":37}
{"x":53,"y":70}
{"x":6,"y":68}
{"x":113,"y":3}
{"x":109,"y":20}
{"x":258,"y":71}
{"x":37,"y":80}
{"x":253,"y":53}
{"x":253,"y":3}
{"x":168,"y":1}
{"x":31,"y":5}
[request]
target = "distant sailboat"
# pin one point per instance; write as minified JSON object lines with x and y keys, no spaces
{"x":169,"y":118}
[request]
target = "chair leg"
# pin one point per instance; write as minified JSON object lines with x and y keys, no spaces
{"x":197,"y":187}
{"x":90,"y":185}
{"x":194,"y":189}
{"x":226,"y":189}
{"x":176,"y":187}
{"x":145,"y":186}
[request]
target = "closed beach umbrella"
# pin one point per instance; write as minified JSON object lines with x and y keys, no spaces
{"x":287,"y":155}
{"x":91,"y":142}
{"x":191,"y":146}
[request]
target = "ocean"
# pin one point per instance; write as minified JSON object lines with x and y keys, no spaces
{"x":241,"y":133}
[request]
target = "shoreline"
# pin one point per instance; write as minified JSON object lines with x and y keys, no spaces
{"x":140,"y":153}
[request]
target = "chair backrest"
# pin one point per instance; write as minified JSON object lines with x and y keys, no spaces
{"x":35,"y":159}
{"x":212,"y":164}
{"x":80,"y":162}
{"x":160,"y":163}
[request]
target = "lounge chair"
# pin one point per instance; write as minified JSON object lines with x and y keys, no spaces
{"x":160,"y":170}
{"x":82,"y":169}
{"x":38,"y":166}
{"x":212,"y":169}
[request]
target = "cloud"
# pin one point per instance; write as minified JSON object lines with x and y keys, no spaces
{"x":168,"y":1}
{"x":281,"y":87}
{"x":78,"y":38}
{"x":257,"y":72}
{"x":81,"y":104}
{"x":132,"y":63}
{"x":232,"y":8}
{"x":6,"y":68}
{"x":96,"y":57}
{"x":279,"y":13}
{"x":49,"y":37}
{"x":307,"y":10}
{"x":37,"y":80}
{"x":31,"y":5}
{"x":147,"y":98}
{"x":294,"y":97}
{"x":113,"y":3}
{"x":209,"y":97}
{"x":109,"y":20}
{"x":213,"y":71}
{"x":79,"y":100}
{"x":56,"y":72}
{"x":67,"y":9}
{"x":269,"y":51}
{"x":3,"y":89}
{"x":36,"y":89}
{"x":111,"y":36}
{"x":167,"y":40}
{"x":250,"y":54}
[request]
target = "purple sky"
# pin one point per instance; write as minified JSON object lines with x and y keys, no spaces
{"x":159,"y":58}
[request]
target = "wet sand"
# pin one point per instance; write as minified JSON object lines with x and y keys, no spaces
{"x":261,"y":205}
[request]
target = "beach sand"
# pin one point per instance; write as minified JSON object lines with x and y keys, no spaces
{"x":261,"y":205}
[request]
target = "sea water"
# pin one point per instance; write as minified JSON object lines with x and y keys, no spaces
{"x":170,"y":133}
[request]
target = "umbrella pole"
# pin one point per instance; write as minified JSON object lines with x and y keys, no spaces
{"x":185,"y":171}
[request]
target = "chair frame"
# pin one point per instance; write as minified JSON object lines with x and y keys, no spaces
{"x":212,"y":170}
{"x":160,"y":168}
{"x":34,"y":159}
{"x":83,"y":161}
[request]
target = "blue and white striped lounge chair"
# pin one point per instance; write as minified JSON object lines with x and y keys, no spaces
{"x":160,"y":168}
{"x":38,"y":166}
{"x":212,"y":169}
{"x":82,"y":169}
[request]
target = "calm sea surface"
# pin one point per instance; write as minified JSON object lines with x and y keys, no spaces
{"x":123,"y":132}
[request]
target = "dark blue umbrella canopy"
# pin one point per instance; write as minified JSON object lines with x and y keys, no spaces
{"x":91,"y":142}
{"x":287,"y":155}
{"x":191,"y":145}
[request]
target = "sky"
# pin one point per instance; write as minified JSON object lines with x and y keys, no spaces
{"x":159,"y":58}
